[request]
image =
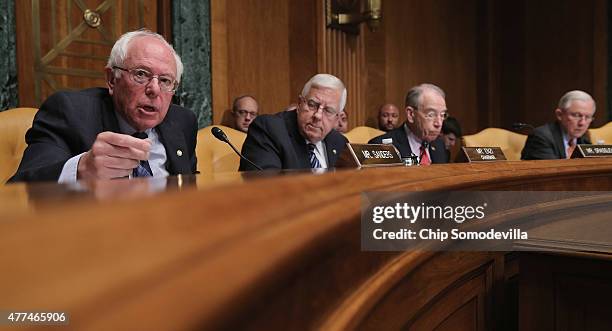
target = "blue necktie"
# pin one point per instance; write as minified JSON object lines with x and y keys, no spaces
{"x":143,"y":169}
{"x":314,"y":162}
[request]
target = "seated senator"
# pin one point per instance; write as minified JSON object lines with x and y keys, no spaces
{"x":128,"y":129}
{"x":300,"y":139}
{"x":420,"y":135}
{"x":557,"y":140}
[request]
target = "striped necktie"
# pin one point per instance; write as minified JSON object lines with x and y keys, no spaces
{"x":571,"y":145}
{"x":143,"y":169}
{"x":314,"y":162}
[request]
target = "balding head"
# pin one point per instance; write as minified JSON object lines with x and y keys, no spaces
{"x":388,"y":117}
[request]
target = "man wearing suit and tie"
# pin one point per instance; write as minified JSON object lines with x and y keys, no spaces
{"x":557,"y":140}
{"x":300,"y":139}
{"x":128,"y":129}
{"x":420,"y":134}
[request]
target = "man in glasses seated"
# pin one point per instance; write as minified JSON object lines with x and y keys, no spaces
{"x":557,"y":140}
{"x":244,"y":111}
{"x":425,"y":107}
{"x":303,"y":138}
{"x":128,"y":129}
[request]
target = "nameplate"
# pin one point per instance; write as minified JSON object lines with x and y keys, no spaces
{"x":369,"y":155}
{"x":585,"y":150}
{"x":483,"y":154}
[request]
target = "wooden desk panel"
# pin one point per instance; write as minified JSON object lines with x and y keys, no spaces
{"x":255,"y":253}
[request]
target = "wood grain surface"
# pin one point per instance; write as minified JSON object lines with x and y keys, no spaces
{"x":269,"y":251}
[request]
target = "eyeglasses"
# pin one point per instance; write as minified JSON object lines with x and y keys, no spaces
{"x":244,"y":113}
{"x":432,"y":114}
{"x":142,"y":76}
{"x":578,"y":116}
{"x":314,"y":106}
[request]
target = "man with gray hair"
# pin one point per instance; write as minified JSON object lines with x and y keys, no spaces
{"x":128,"y":129}
{"x":300,"y":139}
{"x":420,"y":134}
{"x":557,"y":140}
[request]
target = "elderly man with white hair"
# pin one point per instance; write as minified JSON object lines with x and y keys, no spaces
{"x":557,"y":140}
{"x":300,"y":139}
{"x":127,"y":129}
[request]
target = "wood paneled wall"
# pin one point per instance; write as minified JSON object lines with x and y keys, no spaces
{"x":263,"y":48}
{"x":435,"y":42}
{"x":499,"y":62}
{"x":343,"y":55}
{"x":57,"y":50}
{"x":548,"y":48}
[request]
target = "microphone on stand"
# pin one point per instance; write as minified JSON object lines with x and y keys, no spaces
{"x":219,"y":134}
{"x":519,"y":126}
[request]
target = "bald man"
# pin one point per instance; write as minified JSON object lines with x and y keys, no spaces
{"x":388,"y":117}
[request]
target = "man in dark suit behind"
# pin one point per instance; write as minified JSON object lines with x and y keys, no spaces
{"x":300,"y":138}
{"x":420,"y":134}
{"x":558,"y":139}
{"x":88,"y":134}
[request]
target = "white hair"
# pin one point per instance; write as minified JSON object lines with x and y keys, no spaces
{"x":327,"y":81}
{"x":413,"y":97}
{"x":120,"y":49}
{"x":566,"y":100}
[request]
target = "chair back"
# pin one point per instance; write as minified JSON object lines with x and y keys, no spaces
{"x":602,"y":135}
{"x":362,"y":134}
{"x":511,"y":143}
{"x":13,"y":125}
{"x":216,"y":156}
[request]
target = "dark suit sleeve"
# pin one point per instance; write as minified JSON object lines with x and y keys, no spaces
{"x":378,"y":140}
{"x":191,"y":136}
{"x":538,"y":147}
{"x":584,"y":140}
{"x":259,"y":146}
{"x":438,"y":152}
{"x":48,"y":148}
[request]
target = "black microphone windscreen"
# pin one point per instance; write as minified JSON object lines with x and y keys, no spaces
{"x":521,"y":125}
{"x":219,"y":134}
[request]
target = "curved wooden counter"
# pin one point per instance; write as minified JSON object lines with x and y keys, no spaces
{"x":256,"y":252}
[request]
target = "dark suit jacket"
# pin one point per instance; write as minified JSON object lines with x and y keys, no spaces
{"x":437,"y":151}
{"x":275,"y":142}
{"x":67,"y":124}
{"x":546,"y":143}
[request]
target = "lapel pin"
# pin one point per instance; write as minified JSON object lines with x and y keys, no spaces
{"x":179,"y":152}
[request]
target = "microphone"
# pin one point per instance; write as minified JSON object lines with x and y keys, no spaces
{"x":521,"y":126}
{"x":219,"y":134}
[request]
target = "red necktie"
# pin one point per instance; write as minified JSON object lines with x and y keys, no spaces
{"x":424,"y":157}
